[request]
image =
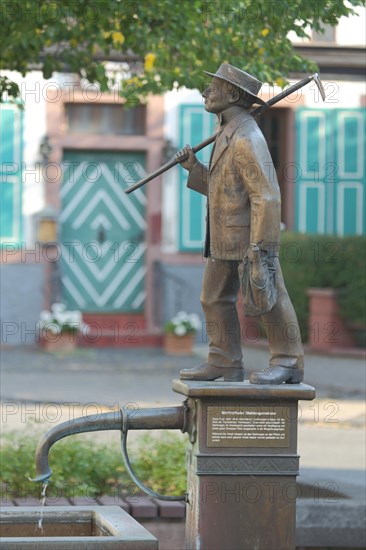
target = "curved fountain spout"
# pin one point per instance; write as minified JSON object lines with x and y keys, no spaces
{"x":171,"y":418}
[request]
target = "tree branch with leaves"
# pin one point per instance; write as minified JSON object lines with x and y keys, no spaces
{"x":161,"y":44}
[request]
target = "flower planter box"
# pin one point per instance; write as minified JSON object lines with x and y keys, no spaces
{"x":178,"y":345}
{"x":65,"y":341}
{"x":327,"y":329}
{"x":61,"y":329}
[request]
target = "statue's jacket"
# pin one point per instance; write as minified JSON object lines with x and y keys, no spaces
{"x":243,"y":196}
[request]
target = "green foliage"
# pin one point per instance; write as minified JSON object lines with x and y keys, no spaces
{"x":83,"y":468}
{"x":9,"y":90}
{"x":160,"y":463}
{"x":166,"y":43}
{"x":325,"y":261}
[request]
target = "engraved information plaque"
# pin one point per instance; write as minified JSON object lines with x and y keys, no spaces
{"x":247,"y":426}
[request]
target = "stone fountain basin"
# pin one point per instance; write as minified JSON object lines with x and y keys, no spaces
{"x":72,"y":527}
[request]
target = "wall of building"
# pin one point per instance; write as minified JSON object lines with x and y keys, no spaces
{"x":346,"y":96}
{"x":175,"y":272}
{"x":21,"y":298}
{"x":34,"y":89}
{"x":178,"y":288}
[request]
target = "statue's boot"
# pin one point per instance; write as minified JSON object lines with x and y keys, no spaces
{"x":210,"y":372}
{"x":276,"y":374}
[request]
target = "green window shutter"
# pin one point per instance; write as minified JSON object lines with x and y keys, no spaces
{"x":330,"y":171}
{"x":195,"y":126}
{"x":349,"y":200}
{"x":313,"y":155}
{"x":11,"y":130}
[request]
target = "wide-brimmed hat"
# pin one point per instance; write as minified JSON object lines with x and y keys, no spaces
{"x":241,"y":79}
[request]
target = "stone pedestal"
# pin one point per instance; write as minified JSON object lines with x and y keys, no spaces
{"x":242,"y":464}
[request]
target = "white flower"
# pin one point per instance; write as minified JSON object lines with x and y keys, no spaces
{"x":74,"y":316}
{"x":180,"y":330}
{"x":45,"y":316}
{"x":58,"y":308}
{"x":52,"y":327}
{"x":195,"y":321}
{"x":61,"y":319}
{"x":183,"y":323}
{"x":182,"y":316}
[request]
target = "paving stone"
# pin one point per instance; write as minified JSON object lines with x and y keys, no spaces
{"x":171,"y":509}
{"x":27,"y":501}
{"x":142,"y":507}
{"x":83,"y":501}
{"x":109,"y":500}
{"x":57,"y":501}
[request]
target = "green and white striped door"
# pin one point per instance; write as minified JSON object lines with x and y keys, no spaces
{"x":330,"y":171}
{"x":102,"y":232}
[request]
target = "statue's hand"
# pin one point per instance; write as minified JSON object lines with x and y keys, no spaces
{"x":253,"y":252}
{"x":259,"y":272}
{"x":186,"y":158}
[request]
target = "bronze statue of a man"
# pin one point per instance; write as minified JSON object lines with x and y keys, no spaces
{"x":243,"y":224}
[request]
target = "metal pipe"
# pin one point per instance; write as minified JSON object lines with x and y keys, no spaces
{"x":169,"y":418}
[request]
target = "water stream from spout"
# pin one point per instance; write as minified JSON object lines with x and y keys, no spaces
{"x":43,"y":502}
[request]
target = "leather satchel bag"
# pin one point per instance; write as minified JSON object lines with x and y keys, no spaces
{"x":258,"y":283}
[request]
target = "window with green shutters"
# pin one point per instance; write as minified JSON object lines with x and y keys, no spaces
{"x":330,"y":171}
{"x":195,"y":126}
{"x":11,"y":156}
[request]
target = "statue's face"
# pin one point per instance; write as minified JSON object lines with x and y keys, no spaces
{"x":218,"y":96}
